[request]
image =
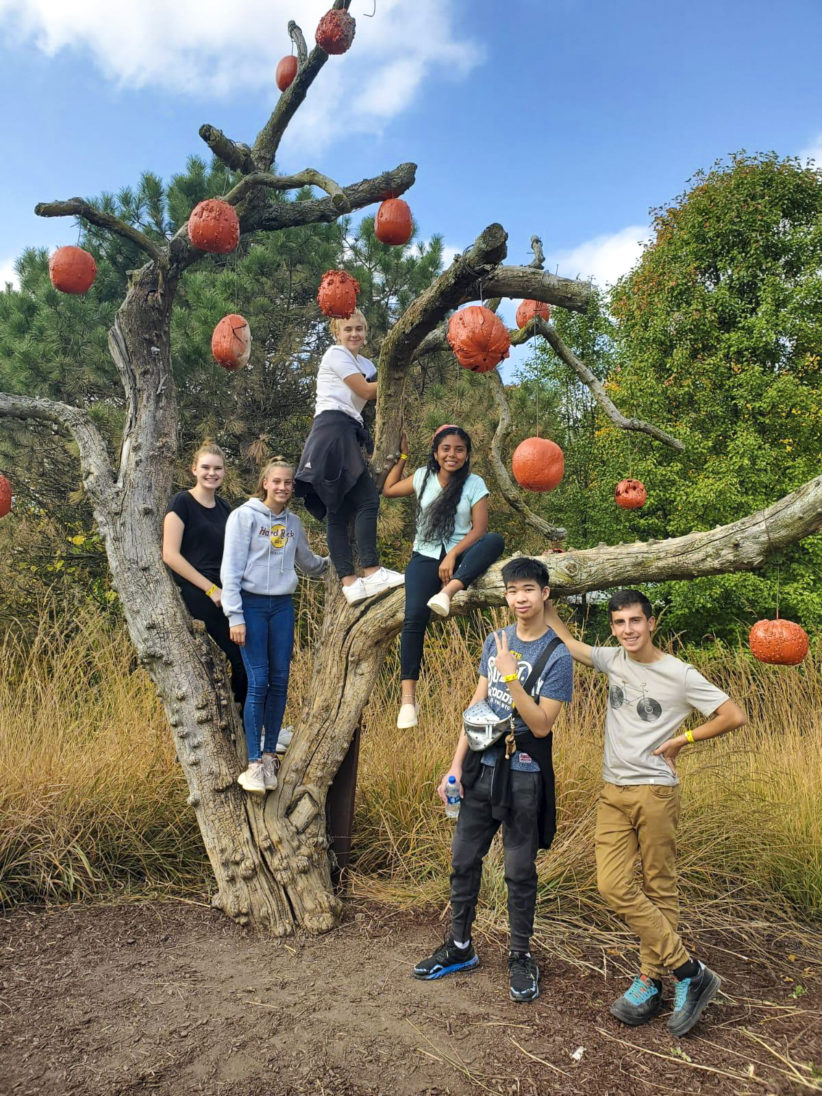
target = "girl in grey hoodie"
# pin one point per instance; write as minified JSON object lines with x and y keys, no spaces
{"x":263,"y":542}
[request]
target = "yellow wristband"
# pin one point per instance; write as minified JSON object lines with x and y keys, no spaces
{"x":689,"y":737}
{"x":211,"y":589}
{"x":510,"y":677}
{"x":403,"y":456}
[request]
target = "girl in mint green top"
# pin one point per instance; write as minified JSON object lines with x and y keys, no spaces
{"x":452,"y":546}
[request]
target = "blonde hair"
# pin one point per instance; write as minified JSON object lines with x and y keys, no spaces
{"x":275,"y":462}
{"x":208,"y":448}
{"x":334,"y":325}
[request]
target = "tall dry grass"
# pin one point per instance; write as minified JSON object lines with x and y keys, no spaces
{"x":93,"y":802}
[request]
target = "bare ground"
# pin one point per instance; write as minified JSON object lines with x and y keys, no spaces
{"x":175,"y":999}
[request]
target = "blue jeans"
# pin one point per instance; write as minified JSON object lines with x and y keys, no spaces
{"x":269,"y":638}
{"x":422,"y":581}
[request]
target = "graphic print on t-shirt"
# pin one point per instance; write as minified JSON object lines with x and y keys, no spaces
{"x":648,"y":709}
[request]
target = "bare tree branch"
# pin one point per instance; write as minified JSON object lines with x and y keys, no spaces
{"x":93,"y":455}
{"x":539,"y":326}
{"x":508,"y":489}
{"x":308,"y":177}
{"x":538,"y":285}
{"x":77,"y":207}
{"x":296,"y":36}
{"x":234,"y":154}
{"x":538,"y":260}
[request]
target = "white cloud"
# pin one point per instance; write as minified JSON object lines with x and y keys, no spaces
{"x":8,"y":274}
{"x":200,"y":47}
{"x":813,"y":151}
{"x":604,"y":258}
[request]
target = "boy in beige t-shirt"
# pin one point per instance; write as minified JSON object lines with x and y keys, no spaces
{"x":650,"y":695}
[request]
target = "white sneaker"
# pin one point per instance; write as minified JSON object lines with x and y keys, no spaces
{"x":284,"y":740}
{"x":408,"y":716}
{"x":252,"y":779}
{"x":381,"y":580}
{"x":355,"y":592}
{"x":440,"y":604}
{"x":269,"y":772}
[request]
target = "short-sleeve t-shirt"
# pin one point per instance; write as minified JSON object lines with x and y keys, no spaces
{"x":333,"y":394}
{"x":556,"y":682}
{"x":473,"y":490}
{"x":647,"y":704}
{"x":203,"y":534}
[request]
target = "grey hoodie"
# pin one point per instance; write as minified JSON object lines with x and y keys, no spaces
{"x":260,"y":551}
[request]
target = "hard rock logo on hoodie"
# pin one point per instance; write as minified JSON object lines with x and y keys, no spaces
{"x":278,"y":534}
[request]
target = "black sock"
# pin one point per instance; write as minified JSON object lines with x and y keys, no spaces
{"x":687,"y":970}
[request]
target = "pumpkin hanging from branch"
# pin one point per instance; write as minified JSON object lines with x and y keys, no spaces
{"x":231,"y":342}
{"x":5,"y":496}
{"x":337,"y":295}
{"x":478,"y":338}
{"x":335,"y":31}
{"x":72,"y":270}
{"x":538,"y":464}
{"x":780,"y":642}
{"x":528,"y":309}
{"x":213,"y":226}
{"x":286,"y":71}
{"x":630,"y":494}
{"x":393,"y":224}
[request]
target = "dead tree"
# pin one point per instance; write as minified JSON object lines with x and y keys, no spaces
{"x":270,"y":861}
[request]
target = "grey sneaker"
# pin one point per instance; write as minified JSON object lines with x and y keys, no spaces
{"x":690,"y":998}
{"x":284,"y":739}
{"x":269,"y":772}
{"x":252,"y":779}
{"x":639,"y":1003}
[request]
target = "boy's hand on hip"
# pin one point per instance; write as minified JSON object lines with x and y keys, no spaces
{"x":670,"y":751}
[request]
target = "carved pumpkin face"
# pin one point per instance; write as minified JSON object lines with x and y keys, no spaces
{"x":337,"y":295}
{"x":213,"y":226}
{"x":393,"y":224}
{"x":538,"y":464}
{"x":5,"y":496}
{"x":528,"y":309}
{"x":231,"y":342}
{"x":72,"y":270}
{"x":335,"y":31}
{"x":780,"y":642}
{"x":630,"y":494}
{"x":478,"y":338}
{"x":286,"y":71}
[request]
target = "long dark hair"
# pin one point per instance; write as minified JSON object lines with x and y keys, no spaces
{"x":438,"y":523}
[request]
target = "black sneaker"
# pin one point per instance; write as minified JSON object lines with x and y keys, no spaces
{"x":523,"y":976}
{"x":639,"y":1003}
{"x":447,"y":959}
{"x":690,"y":998}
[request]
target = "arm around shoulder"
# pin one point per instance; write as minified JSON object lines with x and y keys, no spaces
{"x":579,"y":651}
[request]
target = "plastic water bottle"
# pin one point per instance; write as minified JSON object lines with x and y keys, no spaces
{"x":452,"y":798}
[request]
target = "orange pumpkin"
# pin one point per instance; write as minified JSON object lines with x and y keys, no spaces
{"x":538,"y":464}
{"x":630,"y":494}
{"x":335,"y":31}
{"x":780,"y":642}
{"x":5,"y":496}
{"x":231,"y":342}
{"x":286,"y":71}
{"x":337,"y":295}
{"x":72,"y":270}
{"x":213,"y":226}
{"x":478,"y":338}
{"x":393,"y":224}
{"x":528,"y":309}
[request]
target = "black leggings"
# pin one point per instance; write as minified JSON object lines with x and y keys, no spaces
{"x":203,"y":608}
{"x":362,"y":503}
{"x":422,"y":581}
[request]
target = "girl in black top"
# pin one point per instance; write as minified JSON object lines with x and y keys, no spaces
{"x":193,"y":534}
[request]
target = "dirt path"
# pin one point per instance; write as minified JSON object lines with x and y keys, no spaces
{"x":175,"y":999}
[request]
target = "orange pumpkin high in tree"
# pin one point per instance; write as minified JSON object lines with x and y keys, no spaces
{"x":780,"y":642}
{"x":538,"y":464}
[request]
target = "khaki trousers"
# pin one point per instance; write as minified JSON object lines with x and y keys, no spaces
{"x":640,"y":820}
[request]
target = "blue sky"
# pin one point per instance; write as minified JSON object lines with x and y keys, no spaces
{"x":568,"y":118}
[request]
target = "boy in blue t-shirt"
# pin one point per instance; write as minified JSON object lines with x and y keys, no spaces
{"x":516,"y":793}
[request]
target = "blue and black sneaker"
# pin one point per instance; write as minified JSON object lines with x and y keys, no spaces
{"x":639,"y":1003}
{"x":447,"y":959}
{"x":691,"y":995}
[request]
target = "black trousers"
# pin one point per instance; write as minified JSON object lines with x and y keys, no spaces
{"x":520,"y":840}
{"x":362,"y":503}
{"x":203,"y":608}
